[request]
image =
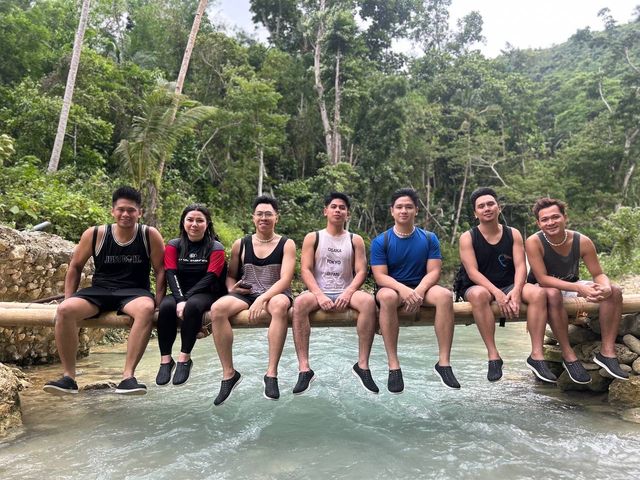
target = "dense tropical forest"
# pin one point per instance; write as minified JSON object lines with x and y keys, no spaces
{"x":327,"y":104}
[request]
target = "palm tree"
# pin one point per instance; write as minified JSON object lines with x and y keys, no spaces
{"x":154,"y":135}
{"x":153,"y":192}
{"x":68,"y":91}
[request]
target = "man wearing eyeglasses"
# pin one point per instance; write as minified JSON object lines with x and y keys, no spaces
{"x":493,"y":257}
{"x":259,"y":280}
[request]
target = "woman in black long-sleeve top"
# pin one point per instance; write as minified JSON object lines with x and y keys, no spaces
{"x":196,"y":270}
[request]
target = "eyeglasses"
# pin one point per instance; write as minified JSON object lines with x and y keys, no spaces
{"x":266,"y":214}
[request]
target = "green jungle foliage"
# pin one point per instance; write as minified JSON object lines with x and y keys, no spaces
{"x":563,"y":121}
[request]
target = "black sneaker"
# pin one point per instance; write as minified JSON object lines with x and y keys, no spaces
{"x":395,"y":384}
{"x":271,"y":390}
{"x":226,"y":387}
{"x":304,"y":382}
{"x":182,"y":372}
{"x":130,"y":386}
{"x":64,"y":386}
{"x":447,"y":377}
{"x":611,"y":365}
{"x":164,"y":373}
{"x":494,"y":373}
{"x":576,"y":372}
{"x":364,"y":376}
{"x":540,"y":369}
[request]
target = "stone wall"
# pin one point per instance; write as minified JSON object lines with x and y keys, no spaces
{"x":33,"y":266}
{"x":585,"y":340}
{"x":12,"y":381}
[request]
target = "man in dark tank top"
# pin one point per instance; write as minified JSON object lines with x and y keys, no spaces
{"x":493,"y":257}
{"x":123,"y":253}
{"x":259,"y":280}
{"x":554,"y":255}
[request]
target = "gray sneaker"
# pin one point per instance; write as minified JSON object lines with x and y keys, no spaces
{"x":494,"y":372}
{"x":63,"y":386}
{"x":395,"y":384}
{"x":611,"y":365}
{"x":304,"y":382}
{"x":130,"y":386}
{"x":540,"y":369}
{"x":271,"y":390}
{"x":365,"y":378}
{"x":447,"y":377}
{"x":576,"y":372}
{"x":227,"y":387}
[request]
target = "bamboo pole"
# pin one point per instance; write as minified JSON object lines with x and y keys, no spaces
{"x":33,"y":314}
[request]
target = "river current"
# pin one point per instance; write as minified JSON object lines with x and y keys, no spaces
{"x":517,"y":428}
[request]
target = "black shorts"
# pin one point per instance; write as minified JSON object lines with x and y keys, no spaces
{"x":108,"y":300}
{"x":505,"y":290}
{"x":249,"y":299}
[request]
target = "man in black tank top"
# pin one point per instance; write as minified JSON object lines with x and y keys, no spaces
{"x":259,"y":280}
{"x":122,"y":253}
{"x":494,"y":259}
{"x":554,"y":254}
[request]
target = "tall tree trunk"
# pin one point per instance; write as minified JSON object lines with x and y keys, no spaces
{"x":151,"y":215}
{"x":68,"y":91}
{"x":318,"y":83}
{"x":628,"y":142}
{"x":467,"y":168}
{"x":260,"y":170}
{"x":337,"y":140}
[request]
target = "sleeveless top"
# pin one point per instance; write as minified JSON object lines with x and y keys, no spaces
{"x":495,"y":261}
{"x":333,"y":267}
{"x":559,"y":266}
{"x":261,"y":273}
{"x":121,"y":265}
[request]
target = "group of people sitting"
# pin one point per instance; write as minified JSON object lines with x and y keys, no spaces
{"x":406,"y":265}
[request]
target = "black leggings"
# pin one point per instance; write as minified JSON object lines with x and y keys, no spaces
{"x":196,"y":306}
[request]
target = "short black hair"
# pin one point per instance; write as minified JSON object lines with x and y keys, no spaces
{"x":128,"y":193}
{"x":405,"y":192}
{"x":547,"y":202}
{"x":265,"y":199}
{"x":339,"y":195}
{"x":479,"y":192}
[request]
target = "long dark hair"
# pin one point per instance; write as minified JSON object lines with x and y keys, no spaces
{"x":209,"y":233}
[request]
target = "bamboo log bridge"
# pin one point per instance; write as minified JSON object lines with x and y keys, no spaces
{"x":39,"y":315}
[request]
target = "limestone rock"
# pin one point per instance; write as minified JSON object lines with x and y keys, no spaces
{"x":586,"y":351}
{"x":623,"y":367}
{"x":104,"y":385}
{"x":598,"y":383}
{"x":579,"y":334}
{"x":32,"y":266}
{"x":552,"y":353}
{"x":631,"y":415}
{"x":636,"y":366}
{"x":10,"y":414}
{"x":626,"y":392}
{"x":632,"y":342}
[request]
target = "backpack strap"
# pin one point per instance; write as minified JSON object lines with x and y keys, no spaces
{"x":317,"y":241}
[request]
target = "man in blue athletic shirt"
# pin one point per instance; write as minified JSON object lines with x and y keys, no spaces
{"x":406,"y":264}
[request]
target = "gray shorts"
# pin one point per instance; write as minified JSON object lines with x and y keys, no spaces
{"x":332,"y":296}
{"x":571,"y":293}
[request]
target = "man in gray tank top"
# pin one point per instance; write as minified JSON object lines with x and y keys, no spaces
{"x":122,"y":253}
{"x":554,"y":254}
{"x":333,"y":267}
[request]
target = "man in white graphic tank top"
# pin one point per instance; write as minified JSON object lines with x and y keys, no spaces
{"x":333,"y":267}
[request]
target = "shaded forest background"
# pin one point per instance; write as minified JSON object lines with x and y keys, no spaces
{"x":327,"y":104}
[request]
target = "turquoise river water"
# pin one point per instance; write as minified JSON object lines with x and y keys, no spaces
{"x":514,"y":429}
